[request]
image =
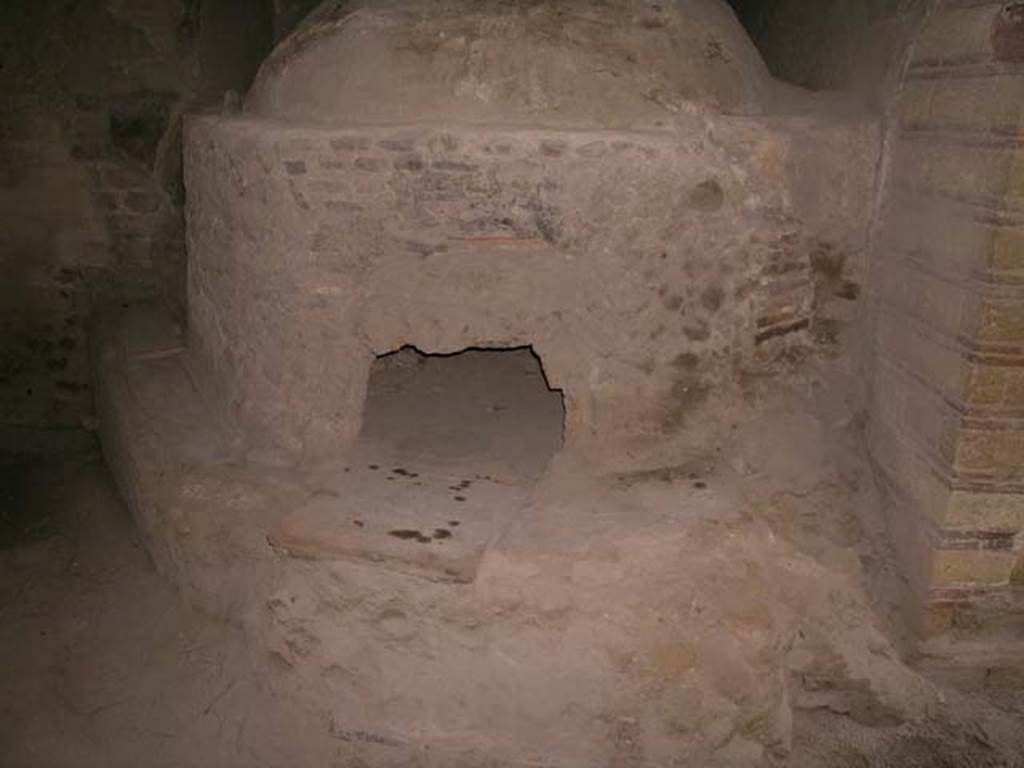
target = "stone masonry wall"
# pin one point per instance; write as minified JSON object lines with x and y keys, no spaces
{"x":945,"y":282}
{"x":636,"y":264}
{"x":947,"y":428}
{"x":93,"y":91}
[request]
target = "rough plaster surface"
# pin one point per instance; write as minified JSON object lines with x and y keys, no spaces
{"x":580,"y":63}
{"x":643,"y":268}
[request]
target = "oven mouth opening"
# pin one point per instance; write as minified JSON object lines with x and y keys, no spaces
{"x":484,"y":409}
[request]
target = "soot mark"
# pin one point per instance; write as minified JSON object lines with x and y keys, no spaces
{"x":374,"y":467}
{"x":453,"y":523}
{"x":459,"y":498}
{"x":700,"y":485}
{"x":407,"y":534}
{"x":358,"y":523}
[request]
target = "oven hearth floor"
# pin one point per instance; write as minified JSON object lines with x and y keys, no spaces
{"x":450,"y":449}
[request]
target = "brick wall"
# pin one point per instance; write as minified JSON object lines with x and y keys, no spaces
{"x":945,"y":282}
{"x":947,"y":288}
{"x":93,"y":92}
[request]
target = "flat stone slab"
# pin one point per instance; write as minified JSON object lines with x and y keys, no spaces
{"x":423,"y":521}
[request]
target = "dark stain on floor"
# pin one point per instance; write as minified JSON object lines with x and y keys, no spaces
{"x":407,"y":534}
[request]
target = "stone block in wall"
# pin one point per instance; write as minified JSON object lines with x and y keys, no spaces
{"x":947,"y":234}
{"x":1015,"y":182}
{"x":123,"y":176}
{"x":88,"y":151}
{"x":1007,"y":254}
{"x":937,"y":300}
{"x":930,"y":421}
{"x":977,"y":567}
{"x":954,"y":546}
{"x":907,"y":482}
{"x":44,"y":373}
{"x":997,"y":450}
{"x":1013,"y":395}
{"x":1000,"y":321}
{"x":989,"y":386}
{"x":988,"y":105}
{"x":132,"y":249}
{"x":139,"y":122}
{"x":953,"y":169}
{"x":888,"y":392}
{"x":86,"y":248}
{"x":913,"y":107}
{"x":917,"y":479}
{"x":956,"y":36}
{"x":912,"y":347}
{"x":141,"y":201}
{"x":977,"y":510}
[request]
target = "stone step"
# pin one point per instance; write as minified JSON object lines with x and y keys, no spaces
{"x":418,"y":520}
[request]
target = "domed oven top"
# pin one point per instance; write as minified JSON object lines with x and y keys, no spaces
{"x":559,"y":63}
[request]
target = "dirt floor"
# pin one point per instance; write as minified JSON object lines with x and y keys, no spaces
{"x":103,"y":666}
